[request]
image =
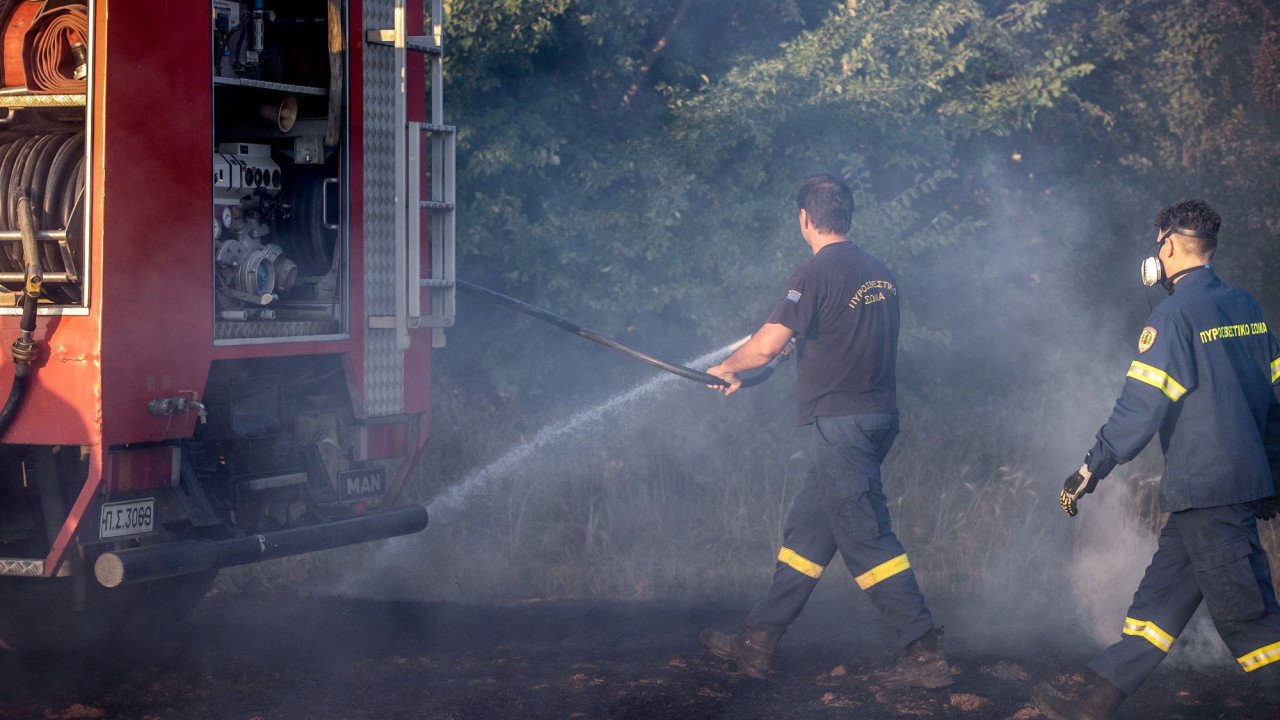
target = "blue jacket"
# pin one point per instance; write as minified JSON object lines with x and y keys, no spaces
{"x":1203,"y":378}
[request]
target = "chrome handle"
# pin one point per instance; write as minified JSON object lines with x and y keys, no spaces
{"x":324,"y":200}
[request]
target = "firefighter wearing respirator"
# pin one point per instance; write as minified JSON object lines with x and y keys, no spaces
{"x":1203,"y":378}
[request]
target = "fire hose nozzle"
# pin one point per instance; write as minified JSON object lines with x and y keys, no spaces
{"x":81,"y":55}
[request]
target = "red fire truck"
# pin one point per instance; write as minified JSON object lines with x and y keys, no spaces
{"x":216,"y":287}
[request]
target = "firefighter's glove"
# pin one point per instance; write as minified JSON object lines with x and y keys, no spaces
{"x":1268,"y":508}
{"x":1081,"y":483}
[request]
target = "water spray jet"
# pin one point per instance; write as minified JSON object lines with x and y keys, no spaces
{"x":453,"y":497}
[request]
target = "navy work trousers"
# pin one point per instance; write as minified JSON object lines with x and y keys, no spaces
{"x":842,"y":507}
{"x":1207,"y":553}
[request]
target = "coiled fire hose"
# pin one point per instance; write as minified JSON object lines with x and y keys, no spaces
{"x":41,"y":177}
{"x":45,"y":50}
{"x":57,"y":59}
{"x":547,"y":316}
{"x":47,"y":170}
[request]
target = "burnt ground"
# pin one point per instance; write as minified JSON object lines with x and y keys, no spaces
{"x":318,"y":658}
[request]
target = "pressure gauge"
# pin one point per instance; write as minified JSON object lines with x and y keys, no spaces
{"x":217,"y":229}
{"x":227,"y":216}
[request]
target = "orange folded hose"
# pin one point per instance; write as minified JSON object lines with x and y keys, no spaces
{"x":56,"y":53}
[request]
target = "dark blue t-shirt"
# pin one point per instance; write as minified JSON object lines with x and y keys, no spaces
{"x":842,"y":304}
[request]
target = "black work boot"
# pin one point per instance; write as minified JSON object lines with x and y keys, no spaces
{"x":925,"y":665}
{"x":750,"y":648}
{"x":1100,"y":700}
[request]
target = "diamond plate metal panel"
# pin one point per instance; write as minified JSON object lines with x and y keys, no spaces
{"x":21,"y":568}
{"x":383,"y":362}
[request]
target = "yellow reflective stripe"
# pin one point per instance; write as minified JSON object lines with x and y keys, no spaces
{"x":1150,"y":631}
{"x":1157,"y":379}
{"x":799,"y":564}
{"x":1275,"y":370}
{"x":1260,"y":657}
{"x":883,"y":571}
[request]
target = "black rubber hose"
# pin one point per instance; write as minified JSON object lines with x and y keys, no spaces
{"x":21,"y":368}
{"x":35,"y":187}
{"x":8,"y":175}
{"x":16,"y":392}
{"x":10,"y":260}
{"x":38,"y":167}
{"x":61,"y":195}
{"x":28,"y":145}
{"x":550,"y":317}
{"x":45,"y":169}
{"x":758,"y":376}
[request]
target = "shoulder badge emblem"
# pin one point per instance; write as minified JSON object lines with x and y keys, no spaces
{"x":1146,"y":339}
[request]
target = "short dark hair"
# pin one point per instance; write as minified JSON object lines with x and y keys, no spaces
{"x":1196,"y":216}
{"x":828,"y":201}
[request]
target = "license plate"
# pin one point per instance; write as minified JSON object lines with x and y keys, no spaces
{"x":132,"y":517}
{"x":361,"y":484}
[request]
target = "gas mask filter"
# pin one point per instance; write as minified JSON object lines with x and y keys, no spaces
{"x":1152,"y":270}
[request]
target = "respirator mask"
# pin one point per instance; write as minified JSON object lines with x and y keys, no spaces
{"x":1153,"y":267}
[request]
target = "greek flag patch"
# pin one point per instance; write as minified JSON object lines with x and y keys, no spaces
{"x":793,"y":296}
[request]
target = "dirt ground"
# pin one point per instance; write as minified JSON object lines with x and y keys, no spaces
{"x":321,"y":658}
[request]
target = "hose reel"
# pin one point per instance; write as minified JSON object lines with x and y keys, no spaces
{"x":41,"y":187}
{"x":47,"y":173}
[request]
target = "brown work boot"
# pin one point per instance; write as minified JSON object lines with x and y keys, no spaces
{"x":925,"y":665}
{"x":1101,"y":699}
{"x":750,"y":648}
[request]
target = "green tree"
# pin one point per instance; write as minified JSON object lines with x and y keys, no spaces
{"x":1191,"y":89}
{"x":634,"y":161}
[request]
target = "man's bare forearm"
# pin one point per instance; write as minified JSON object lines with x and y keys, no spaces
{"x":764,"y":346}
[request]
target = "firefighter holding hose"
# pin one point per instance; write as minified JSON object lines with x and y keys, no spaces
{"x":1203,"y":378}
{"x":842,"y":307}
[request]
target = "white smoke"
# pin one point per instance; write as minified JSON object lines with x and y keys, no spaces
{"x":1113,"y":549}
